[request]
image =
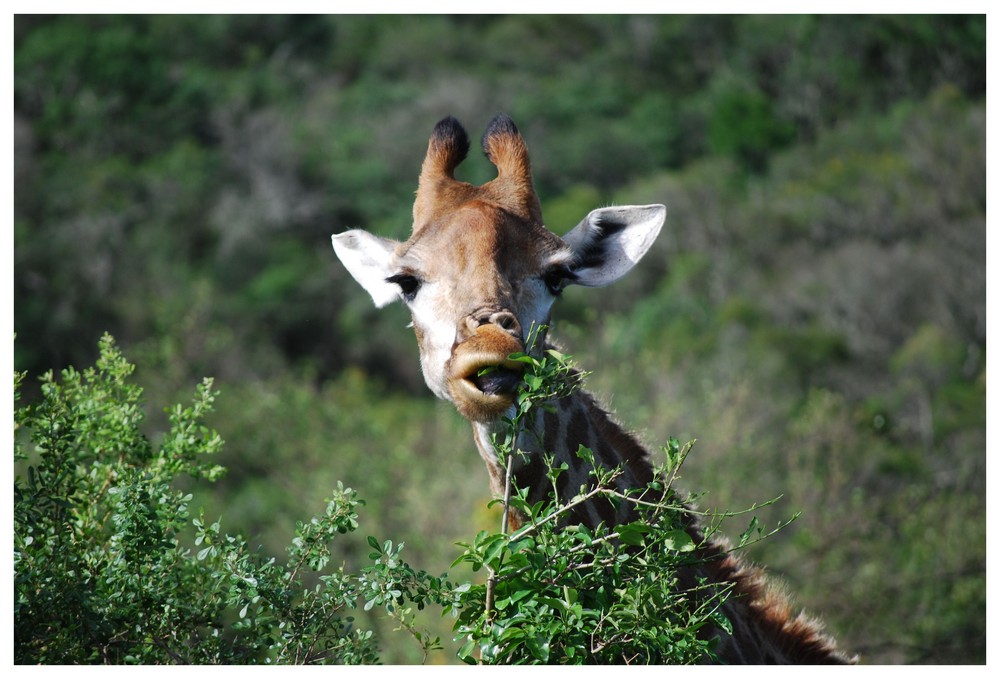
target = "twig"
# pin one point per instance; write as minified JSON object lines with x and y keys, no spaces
{"x":491,"y":581}
{"x":677,"y":466}
{"x":505,"y":521}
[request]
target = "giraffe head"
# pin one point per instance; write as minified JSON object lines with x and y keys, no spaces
{"x":479,"y":269}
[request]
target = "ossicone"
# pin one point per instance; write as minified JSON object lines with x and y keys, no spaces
{"x":499,"y":128}
{"x":511,"y":190}
{"x":505,"y":148}
{"x":448,"y":146}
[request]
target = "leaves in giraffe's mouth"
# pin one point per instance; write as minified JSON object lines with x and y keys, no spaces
{"x":496,"y":380}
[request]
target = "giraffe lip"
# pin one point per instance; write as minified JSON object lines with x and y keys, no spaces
{"x":490,"y":377}
{"x":496,"y":380}
{"x":482,"y":378}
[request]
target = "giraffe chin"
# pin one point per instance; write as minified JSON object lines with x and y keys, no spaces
{"x":485,"y":397}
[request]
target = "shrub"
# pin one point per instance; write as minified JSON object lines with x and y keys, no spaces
{"x":103,"y":570}
{"x":111,"y":567}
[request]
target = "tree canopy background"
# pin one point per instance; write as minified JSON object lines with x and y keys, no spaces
{"x":813,"y":313}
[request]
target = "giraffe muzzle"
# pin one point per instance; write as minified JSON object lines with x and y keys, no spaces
{"x":483,"y":381}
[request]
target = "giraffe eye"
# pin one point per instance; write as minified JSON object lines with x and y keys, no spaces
{"x":408,"y":285}
{"x":555,"y":279}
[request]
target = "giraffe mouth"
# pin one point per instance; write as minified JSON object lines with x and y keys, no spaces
{"x":483,"y":379}
{"x":493,"y":380}
{"x":482,"y":376}
{"x":485,"y":389}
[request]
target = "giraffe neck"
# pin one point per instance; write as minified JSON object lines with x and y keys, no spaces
{"x":764,"y":629}
{"x":572,"y":422}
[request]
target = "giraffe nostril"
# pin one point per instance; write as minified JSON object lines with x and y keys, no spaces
{"x":504,"y":320}
{"x":507,"y":321}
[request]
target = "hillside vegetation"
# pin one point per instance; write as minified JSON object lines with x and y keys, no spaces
{"x":814,"y":312}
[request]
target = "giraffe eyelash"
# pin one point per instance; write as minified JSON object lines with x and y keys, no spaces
{"x":408,"y":284}
{"x":555,"y":279}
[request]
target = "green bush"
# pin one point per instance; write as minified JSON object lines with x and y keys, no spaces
{"x":111,"y":567}
{"x":107,"y":569}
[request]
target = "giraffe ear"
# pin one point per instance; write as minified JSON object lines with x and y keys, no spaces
{"x":369,"y":259}
{"x":611,"y":240}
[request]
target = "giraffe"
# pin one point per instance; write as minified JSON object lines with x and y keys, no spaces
{"x":478,"y":270}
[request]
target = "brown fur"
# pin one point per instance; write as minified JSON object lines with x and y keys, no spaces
{"x":772,"y":633}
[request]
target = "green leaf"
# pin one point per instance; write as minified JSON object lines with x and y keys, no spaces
{"x":633,"y":534}
{"x":754,"y":527}
{"x":539,"y":646}
{"x":679,"y":541}
{"x":534,"y":382}
{"x":494,"y":548}
{"x":465,"y":652}
{"x":553,"y":602}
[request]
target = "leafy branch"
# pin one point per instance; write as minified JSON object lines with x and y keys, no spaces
{"x":111,"y":566}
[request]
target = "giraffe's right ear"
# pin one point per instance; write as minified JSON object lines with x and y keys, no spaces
{"x":369,"y":259}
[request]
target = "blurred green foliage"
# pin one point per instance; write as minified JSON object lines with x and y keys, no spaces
{"x":814,"y":312}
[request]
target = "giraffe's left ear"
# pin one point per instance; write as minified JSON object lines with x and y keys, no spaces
{"x":611,"y":240}
{"x":369,"y":259}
